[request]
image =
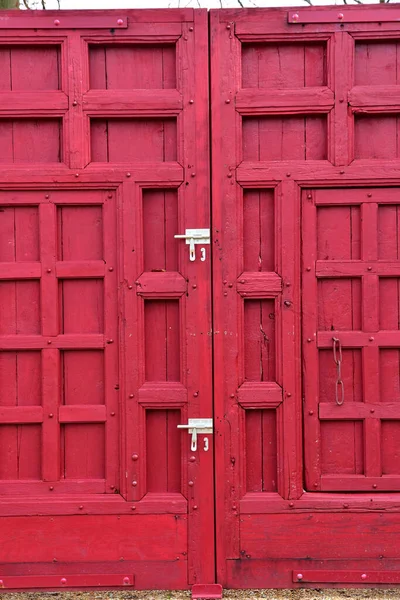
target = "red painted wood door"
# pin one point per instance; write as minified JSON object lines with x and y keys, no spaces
{"x":105,"y":323}
{"x":306,"y":178}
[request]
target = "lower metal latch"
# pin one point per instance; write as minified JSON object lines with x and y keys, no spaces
{"x":196,"y":426}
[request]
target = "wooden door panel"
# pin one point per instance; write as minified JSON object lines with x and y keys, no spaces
{"x":305,"y":178}
{"x":355,"y":292}
{"x":58,"y":369}
{"x":105,"y":324}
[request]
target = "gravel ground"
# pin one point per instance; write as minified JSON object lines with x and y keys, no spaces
{"x":334,"y":594}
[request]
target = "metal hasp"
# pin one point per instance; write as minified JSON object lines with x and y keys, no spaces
{"x":196,"y":426}
{"x":195,"y":236}
{"x":206,"y":591}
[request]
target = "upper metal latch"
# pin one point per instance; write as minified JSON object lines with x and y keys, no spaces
{"x":196,"y":426}
{"x":195,"y":236}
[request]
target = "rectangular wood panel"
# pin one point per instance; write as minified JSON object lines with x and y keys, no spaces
{"x":305,"y":187}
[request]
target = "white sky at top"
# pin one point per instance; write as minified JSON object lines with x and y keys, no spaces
{"x":91,"y":4}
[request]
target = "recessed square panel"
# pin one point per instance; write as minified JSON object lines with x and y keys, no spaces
{"x":283,"y":65}
{"x":20,"y":307}
{"x":21,"y":452}
{"x":261,"y":450}
{"x":376,"y":136}
{"x":389,"y":303}
{"x":133,"y":140}
{"x":83,"y":451}
{"x":30,"y":140}
{"x":162,"y":340}
{"x":80,"y":233}
{"x":19,"y":234}
{"x":160,"y":224}
{"x":389,"y":231}
{"x":163,"y":451}
{"x":19,"y":68}
{"x":352,"y":375}
{"x":339,"y":304}
{"x":21,"y":378}
{"x":83,"y":376}
{"x":377,"y":62}
{"x":389,"y":375}
{"x":274,"y":138}
{"x":259,"y":340}
{"x":390,"y":454}
{"x":342,"y":448}
{"x":338,"y":232}
{"x":134,"y":66}
{"x":81,"y":306}
{"x":258,"y":230}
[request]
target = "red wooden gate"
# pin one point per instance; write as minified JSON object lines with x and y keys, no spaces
{"x":105,"y":322}
{"x":306,"y":178}
{"x":105,"y":342}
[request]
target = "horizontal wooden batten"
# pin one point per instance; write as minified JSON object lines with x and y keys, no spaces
{"x":260,"y":395}
{"x":38,"y":342}
{"x":20,"y":414}
{"x":359,"y":339}
{"x":360,"y":483}
{"x":82,"y":414}
{"x":141,"y":31}
{"x":308,"y":101}
{"x":322,"y":173}
{"x":340,"y":576}
{"x":64,"y":22}
{"x":161,"y":285}
{"x":165,"y":395}
{"x":41,"y":103}
{"x":354,"y":268}
{"x":378,"y":97}
{"x":270,"y":502}
{"x":76,"y":269}
{"x":148,"y":174}
{"x":361,"y":195}
{"x":134,"y":102}
{"x":331,"y":15}
{"x":259,"y":285}
{"x":68,"y":581}
{"x":22,"y":487}
{"x":172,"y":502}
{"x":359,"y":410}
{"x":110,"y":504}
{"x":20,"y":270}
{"x":98,"y":175}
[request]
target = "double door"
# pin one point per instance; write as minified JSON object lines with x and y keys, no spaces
{"x":199,"y":382}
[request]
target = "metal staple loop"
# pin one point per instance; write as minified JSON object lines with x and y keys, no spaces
{"x":338,"y":358}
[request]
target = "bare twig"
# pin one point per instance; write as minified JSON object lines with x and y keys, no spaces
{"x":240,"y":3}
{"x":26,"y":4}
{"x":220,"y":3}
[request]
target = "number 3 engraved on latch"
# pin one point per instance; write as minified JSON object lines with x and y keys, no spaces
{"x":203,"y":254}
{"x":206,"y":446}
